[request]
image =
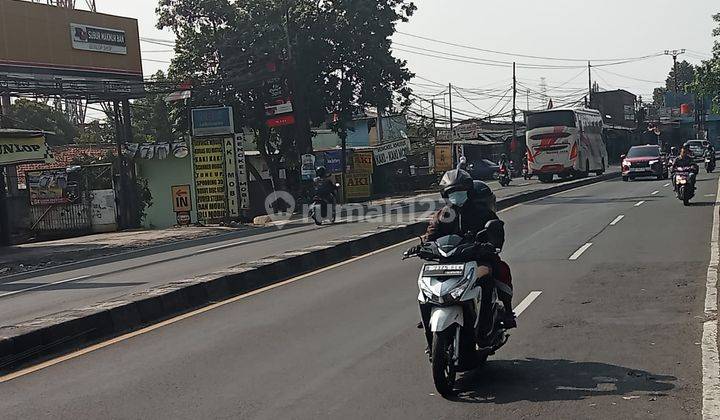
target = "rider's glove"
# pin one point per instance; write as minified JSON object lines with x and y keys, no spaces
{"x":414,"y":250}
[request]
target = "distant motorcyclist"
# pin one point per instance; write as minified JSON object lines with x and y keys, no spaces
{"x":325,"y":189}
{"x":470,"y":205}
{"x":462,"y":164}
{"x":685,"y":160}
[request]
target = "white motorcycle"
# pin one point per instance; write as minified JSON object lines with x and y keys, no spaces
{"x":459,"y":304}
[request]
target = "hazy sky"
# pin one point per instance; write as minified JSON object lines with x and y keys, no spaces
{"x":578,"y":29}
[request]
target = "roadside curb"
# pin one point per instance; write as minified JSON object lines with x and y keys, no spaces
{"x":59,"y":333}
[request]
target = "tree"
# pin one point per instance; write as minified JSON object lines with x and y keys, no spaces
{"x":707,"y":83}
{"x":335,"y":53}
{"x":152,"y":119}
{"x":34,"y":115}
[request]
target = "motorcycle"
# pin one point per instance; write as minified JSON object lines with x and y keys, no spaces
{"x":316,"y":209}
{"x":684,"y":185}
{"x":504,"y":175}
{"x":460,"y":306}
{"x":709,"y":163}
{"x":526,"y":172}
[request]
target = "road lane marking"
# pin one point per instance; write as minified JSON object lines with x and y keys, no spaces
{"x":81,"y":352}
{"x":710,"y":356}
{"x":215,"y":248}
{"x":666,"y":185}
{"x":640,"y":204}
{"x":17,"y":292}
{"x":580,"y":251}
{"x":527,"y":302}
{"x":617,"y":220}
{"x":655,"y":193}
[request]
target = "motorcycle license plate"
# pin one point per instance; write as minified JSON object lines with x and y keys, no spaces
{"x":444,"y":270}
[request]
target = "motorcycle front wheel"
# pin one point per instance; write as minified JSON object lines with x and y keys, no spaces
{"x":443,"y":368}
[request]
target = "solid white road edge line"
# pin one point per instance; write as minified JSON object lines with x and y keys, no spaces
{"x":640,"y":204}
{"x":580,"y":251}
{"x":527,"y":302}
{"x":17,"y":292}
{"x":617,"y":220}
{"x":710,"y":357}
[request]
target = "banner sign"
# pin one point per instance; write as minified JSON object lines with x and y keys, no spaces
{"x":92,"y":38}
{"x":333,"y":162}
{"x":207,"y":122}
{"x":231,"y":177}
{"x":362,"y":162}
{"x":242,"y":178}
{"x":358,"y":186}
{"x":15,"y":150}
{"x":443,"y":157}
{"x":391,"y":152}
{"x":307,"y":170}
{"x":47,"y":187}
{"x":210,"y":180}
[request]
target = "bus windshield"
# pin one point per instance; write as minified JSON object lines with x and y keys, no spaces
{"x":551,"y":119}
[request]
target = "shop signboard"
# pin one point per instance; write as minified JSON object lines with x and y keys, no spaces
{"x":362,"y":162}
{"x":358,"y":186}
{"x":443,"y":157}
{"x":209,"y":122}
{"x":231,"y":186}
{"x":242,"y":175}
{"x":208,"y":159}
{"x":391,"y":152}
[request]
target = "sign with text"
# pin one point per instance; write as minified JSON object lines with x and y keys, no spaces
{"x":281,"y":120}
{"x":182,"y":201}
{"x":208,"y":122}
{"x":391,"y":152}
{"x":92,"y":38}
{"x":24,"y":150}
{"x":208,"y":159}
{"x":362,"y":162}
{"x":443,"y":157}
{"x":231,"y":177}
{"x":358,"y":186}
{"x":242,"y":176}
{"x":47,"y":187}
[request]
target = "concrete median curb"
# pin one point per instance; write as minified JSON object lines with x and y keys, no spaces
{"x":69,"y":330}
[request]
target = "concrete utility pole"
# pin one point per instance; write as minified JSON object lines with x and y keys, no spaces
{"x":432,"y":110}
{"x":514,"y":113}
{"x":589,"y":98}
{"x":4,"y":214}
{"x":451,"y":114}
{"x":674,"y":54}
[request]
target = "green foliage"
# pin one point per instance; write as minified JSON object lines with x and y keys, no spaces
{"x":34,"y":115}
{"x":707,"y":82}
{"x":97,"y":132}
{"x":686,"y":76}
{"x":152,"y":117}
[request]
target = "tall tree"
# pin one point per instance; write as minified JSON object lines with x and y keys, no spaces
{"x":708,"y":74}
{"x":152,"y":119}
{"x":335,"y":53}
{"x":686,"y":77}
{"x":34,"y":115}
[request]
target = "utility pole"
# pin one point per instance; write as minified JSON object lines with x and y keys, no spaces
{"x":451,"y":114}
{"x":432,"y":110}
{"x":674,"y":54}
{"x":528,"y":100}
{"x":589,"y":98}
{"x":514,"y":127}
{"x":4,"y":214}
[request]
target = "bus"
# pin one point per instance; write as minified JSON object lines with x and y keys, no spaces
{"x":565,"y":142}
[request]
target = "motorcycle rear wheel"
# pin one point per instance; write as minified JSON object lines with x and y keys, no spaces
{"x":443,"y":369}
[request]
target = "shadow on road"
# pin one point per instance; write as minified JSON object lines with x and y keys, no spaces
{"x":703,"y":204}
{"x":538,"y":380}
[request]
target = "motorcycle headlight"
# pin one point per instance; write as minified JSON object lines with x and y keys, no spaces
{"x":458,"y":291}
{"x":425,"y":288}
{"x":653,"y":162}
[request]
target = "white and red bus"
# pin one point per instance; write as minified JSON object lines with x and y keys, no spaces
{"x":565,"y":142}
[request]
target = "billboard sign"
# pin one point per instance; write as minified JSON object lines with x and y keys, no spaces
{"x":15,"y":150}
{"x":391,"y":152}
{"x":209,"y":122}
{"x":92,"y":38}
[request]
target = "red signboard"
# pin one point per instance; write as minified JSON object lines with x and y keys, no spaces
{"x":281,"y":120}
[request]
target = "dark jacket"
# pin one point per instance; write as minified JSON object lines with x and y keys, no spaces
{"x":324,"y":187}
{"x":681,"y":162}
{"x":470,"y":218}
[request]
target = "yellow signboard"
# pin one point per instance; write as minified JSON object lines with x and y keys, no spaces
{"x":362,"y":162}
{"x":15,"y":150}
{"x":358,"y":186}
{"x":443,"y":157}
{"x":210,"y":180}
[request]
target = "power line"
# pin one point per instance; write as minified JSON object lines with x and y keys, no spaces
{"x":526,"y":55}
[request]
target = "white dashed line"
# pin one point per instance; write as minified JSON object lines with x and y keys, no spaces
{"x":640,"y":204}
{"x":666,"y":185}
{"x":655,"y":193}
{"x":580,"y":251}
{"x":617,"y":220}
{"x":526,"y":302}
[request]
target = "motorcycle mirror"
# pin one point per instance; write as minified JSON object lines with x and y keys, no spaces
{"x":622,"y":156}
{"x":337,"y":185}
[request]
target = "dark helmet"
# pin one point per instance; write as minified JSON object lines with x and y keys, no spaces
{"x":503,"y":156}
{"x":321,"y":172}
{"x":483,"y":195}
{"x":455,"y":180}
{"x":673,"y":150}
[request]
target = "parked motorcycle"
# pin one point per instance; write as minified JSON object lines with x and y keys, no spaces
{"x":459,"y":302}
{"x":316,"y":209}
{"x":683,"y":179}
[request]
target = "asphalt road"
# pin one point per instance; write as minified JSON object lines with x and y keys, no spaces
{"x":32,"y":295}
{"x":614,"y":334}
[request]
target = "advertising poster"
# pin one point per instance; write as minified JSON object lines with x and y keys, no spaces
{"x":443,"y":157}
{"x":362,"y":162}
{"x":391,"y":152}
{"x":47,"y":187}
{"x":210,"y":180}
{"x":231,"y":177}
{"x":358,"y":186}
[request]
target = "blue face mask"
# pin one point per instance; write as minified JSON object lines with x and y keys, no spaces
{"x":458,"y":198}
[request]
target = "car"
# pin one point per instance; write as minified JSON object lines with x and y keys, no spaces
{"x":483,"y":169}
{"x":697,"y":148}
{"x":644,"y":161}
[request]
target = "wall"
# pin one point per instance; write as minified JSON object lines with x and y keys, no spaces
{"x":613,"y":103}
{"x":161,"y":176}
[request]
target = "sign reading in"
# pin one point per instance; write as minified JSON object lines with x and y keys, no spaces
{"x":391,"y":152}
{"x":24,"y":150}
{"x":92,"y":38}
{"x":208,"y":122}
{"x":210,"y":180}
{"x":182,"y":201}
